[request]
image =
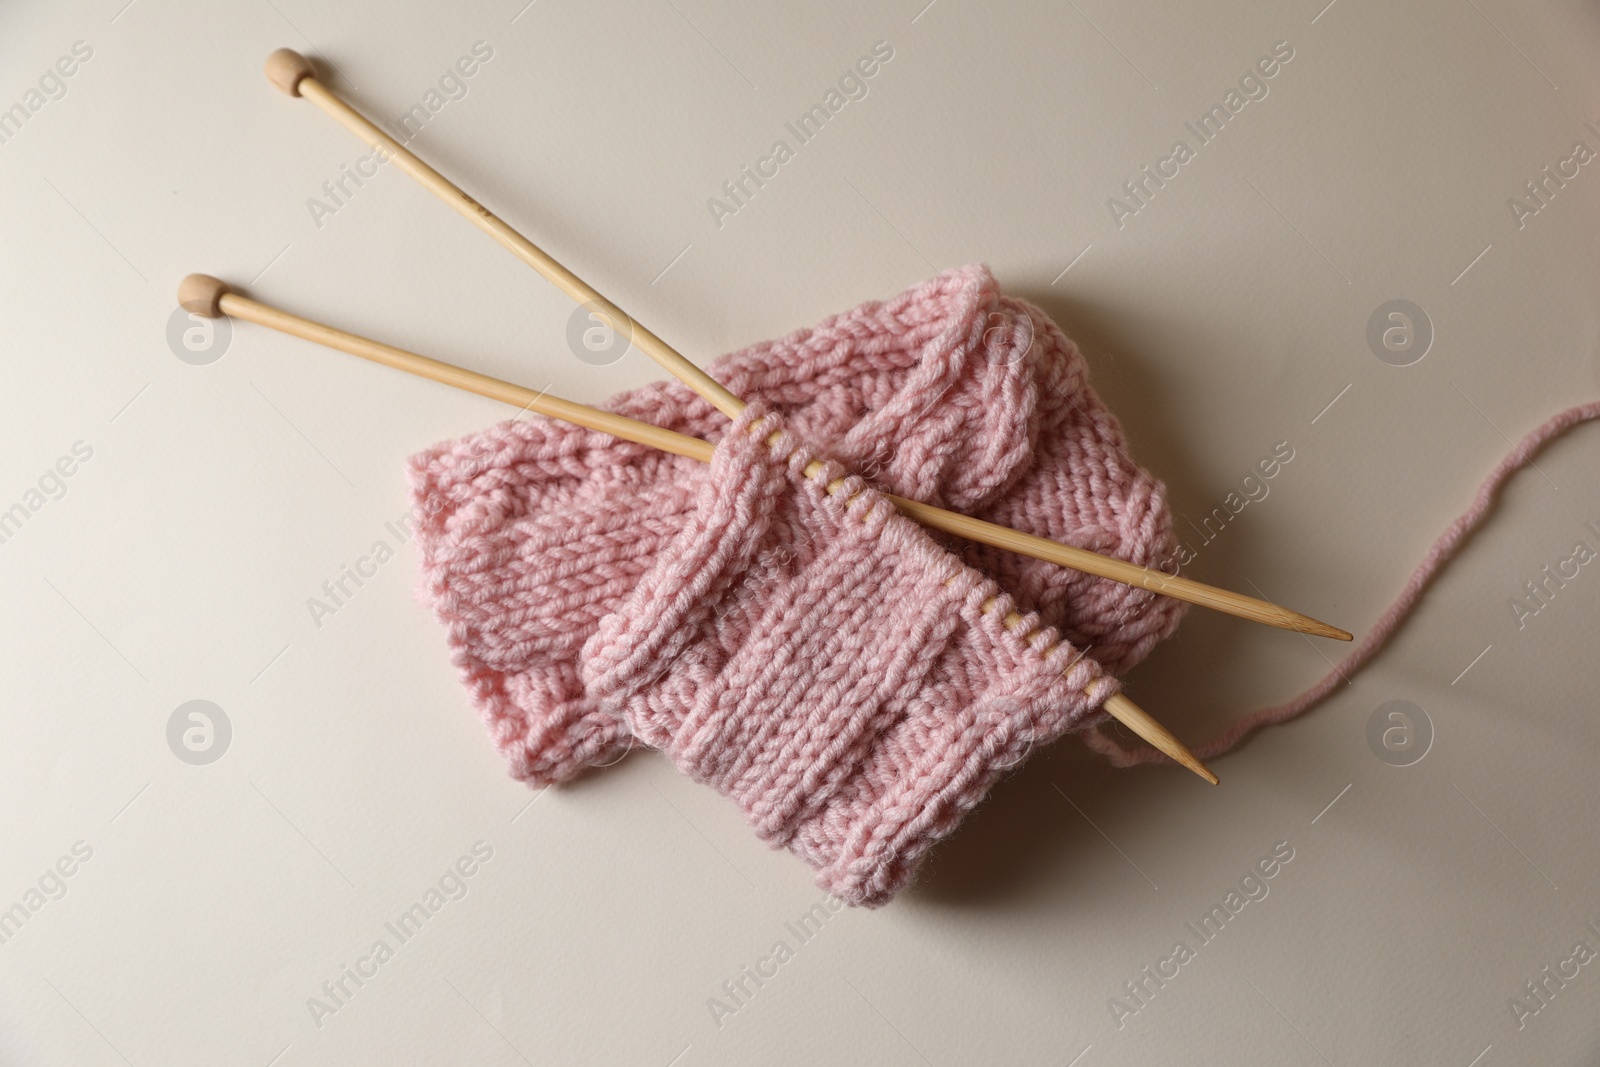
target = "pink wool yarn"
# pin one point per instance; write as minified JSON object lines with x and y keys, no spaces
{"x":1444,"y":547}
{"x":818,"y":658}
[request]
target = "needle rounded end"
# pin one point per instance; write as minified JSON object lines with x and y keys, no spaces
{"x":201,"y":294}
{"x":287,"y":68}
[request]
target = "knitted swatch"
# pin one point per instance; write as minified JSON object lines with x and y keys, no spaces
{"x":818,"y":658}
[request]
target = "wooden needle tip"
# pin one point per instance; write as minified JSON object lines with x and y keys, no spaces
{"x":201,"y":294}
{"x":1135,"y":718}
{"x":287,"y":68}
{"x":1190,"y":762}
{"x":1322,"y":629}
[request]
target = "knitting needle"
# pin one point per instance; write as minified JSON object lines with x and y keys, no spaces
{"x":205,"y":295}
{"x":293,"y":73}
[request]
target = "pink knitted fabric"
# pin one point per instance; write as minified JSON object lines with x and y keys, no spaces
{"x":819,"y":659}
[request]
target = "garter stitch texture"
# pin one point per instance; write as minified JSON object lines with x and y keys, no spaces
{"x":818,"y":658}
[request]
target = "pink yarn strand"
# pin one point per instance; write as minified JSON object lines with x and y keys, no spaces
{"x":1443,"y":548}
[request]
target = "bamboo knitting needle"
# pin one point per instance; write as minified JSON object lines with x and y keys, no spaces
{"x":205,"y":295}
{"x":293,"y":73}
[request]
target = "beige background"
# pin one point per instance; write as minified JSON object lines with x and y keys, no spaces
{"x":1224,"y":317}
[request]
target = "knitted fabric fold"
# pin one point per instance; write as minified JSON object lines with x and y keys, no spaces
{"x":547,"y":552}
{"x":819,"y":659}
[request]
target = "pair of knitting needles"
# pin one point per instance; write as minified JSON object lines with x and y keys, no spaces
{"x":293,"y":74}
